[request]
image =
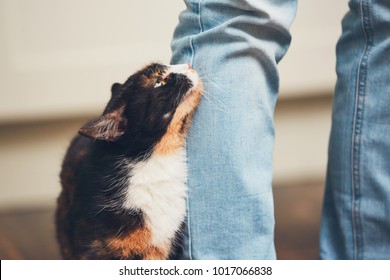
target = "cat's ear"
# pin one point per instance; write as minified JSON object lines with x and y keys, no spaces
{"x":115,"y":88}
{"x":109,"y":127}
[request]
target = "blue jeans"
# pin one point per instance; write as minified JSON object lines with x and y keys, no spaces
{"x":356,"y":215}
{"x":235,"y":46}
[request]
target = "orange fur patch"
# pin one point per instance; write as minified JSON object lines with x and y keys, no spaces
{"x":175,"y":136}
{"x":135,"y":243}
{"x":172,"y":140}
{"x":138,"y":243}
{"x":155,"y":253}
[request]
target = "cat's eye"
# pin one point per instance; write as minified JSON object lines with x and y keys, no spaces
{"x":160,"y":83}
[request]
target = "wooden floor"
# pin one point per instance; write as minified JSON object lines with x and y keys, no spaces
{"x":29,"y":234}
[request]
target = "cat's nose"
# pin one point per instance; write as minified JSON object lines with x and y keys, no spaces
{"x":189,"y":68}
{"x":186,"y":67}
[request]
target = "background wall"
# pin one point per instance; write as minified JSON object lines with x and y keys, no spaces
{"x":58,"y":60}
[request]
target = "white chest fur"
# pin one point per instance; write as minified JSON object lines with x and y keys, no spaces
{"x":157,"y":187}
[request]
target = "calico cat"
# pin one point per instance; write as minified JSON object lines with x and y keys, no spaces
{"x":123,"y":178}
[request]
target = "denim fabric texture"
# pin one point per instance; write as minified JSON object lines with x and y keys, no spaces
{"x":235,"y":46}
{"x":356,"y":215}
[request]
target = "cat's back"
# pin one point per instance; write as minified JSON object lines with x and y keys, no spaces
{"x":76,"y":155}
{"x":78,"y":151}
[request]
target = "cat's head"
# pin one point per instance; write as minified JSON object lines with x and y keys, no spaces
{"x":155,"y":101}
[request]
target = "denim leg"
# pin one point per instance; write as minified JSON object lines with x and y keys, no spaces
{"x":356,"y":221}
{"x":235,"y":46}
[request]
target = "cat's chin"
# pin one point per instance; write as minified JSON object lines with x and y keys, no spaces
{"x":194,"y":78}
{"x":194,"y":92}
{"x":187,"y":70}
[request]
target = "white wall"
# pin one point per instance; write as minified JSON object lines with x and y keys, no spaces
{"x":60,"y":57}
{"x":58,"y":60}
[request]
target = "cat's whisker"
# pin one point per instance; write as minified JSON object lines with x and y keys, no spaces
{"x":103,"y":207}
{"x":120,"y":231}
{"x":207,"y":79}
{"x":220,"y":105}
{"x":203,"y":72}
{"x":214,"y":101}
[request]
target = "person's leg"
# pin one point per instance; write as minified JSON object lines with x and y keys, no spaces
{"x":356,"y":223}
{"x":235,"y":45}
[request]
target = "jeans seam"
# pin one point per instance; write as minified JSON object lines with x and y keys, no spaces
{"x":358,"y":246}
{"x":192,"y":44}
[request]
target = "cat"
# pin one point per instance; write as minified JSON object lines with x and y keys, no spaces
{"x":124,"y":176}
